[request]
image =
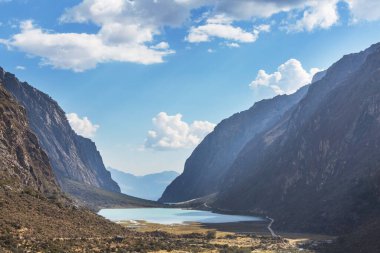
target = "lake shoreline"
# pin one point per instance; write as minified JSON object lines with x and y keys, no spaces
{"x":257,"y":227}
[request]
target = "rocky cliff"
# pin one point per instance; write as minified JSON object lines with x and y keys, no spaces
{"x":23,"y":163}
{"x":207,"y":165}
{"x":317,"y":170}
{"x":72,"y":157}
{"x":34,"y":212}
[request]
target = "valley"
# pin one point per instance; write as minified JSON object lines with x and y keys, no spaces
{"x":292,"y":167}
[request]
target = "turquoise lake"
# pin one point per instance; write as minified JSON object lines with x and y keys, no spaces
{"x":172,"y":216}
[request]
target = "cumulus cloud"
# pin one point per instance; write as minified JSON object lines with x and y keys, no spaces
{"x":220,"y":26}
{"x":243,"y":9}
{"x":161,"y":45}
{"x":319,"y":14}
{"x":82,"y":126}
{"x":368,"y":10}
{"x":171,"y":132}
{"x":81,"y":51}
{"x":131,"y":31}
{"x":289,"y":77}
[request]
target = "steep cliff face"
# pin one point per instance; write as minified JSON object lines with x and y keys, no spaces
{"x":72,"y":157}
{"x":23,"y":163}
{"x":207,"y":165}
{"x":34,"y":212}
{"x":319,"y":168}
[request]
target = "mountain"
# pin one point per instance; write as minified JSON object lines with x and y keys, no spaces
{"x":318,"y":169}
{"x":73,"y":157}
{"x":33,"y":209}
{"x":23,"y":163}
{"x":150,"y":186}
{"x":77,"y":164}
{"x":207,"y":165}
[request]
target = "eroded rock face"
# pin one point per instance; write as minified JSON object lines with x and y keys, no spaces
{"x":72,"y":157}
{"x":23,"y":163}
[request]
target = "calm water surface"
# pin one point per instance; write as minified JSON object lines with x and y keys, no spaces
{"x":172,"y":215}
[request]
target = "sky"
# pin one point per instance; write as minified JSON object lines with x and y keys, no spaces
{"x":147,"y":80}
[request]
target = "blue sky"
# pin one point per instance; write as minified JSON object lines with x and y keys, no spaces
{"x":132,"y":68}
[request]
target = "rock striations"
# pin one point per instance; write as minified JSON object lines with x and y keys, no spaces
{"x":73,"y":158}
{"x":23,"y":163}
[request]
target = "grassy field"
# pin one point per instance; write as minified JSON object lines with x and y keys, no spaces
{"x":224,"y":237}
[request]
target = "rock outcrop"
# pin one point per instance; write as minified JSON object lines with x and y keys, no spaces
{"x":73,"y":157}
{"x":23,"y":163}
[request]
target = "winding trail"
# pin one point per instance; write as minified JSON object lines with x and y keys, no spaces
{"x":270,"y":227}
{"x":207,"y":206}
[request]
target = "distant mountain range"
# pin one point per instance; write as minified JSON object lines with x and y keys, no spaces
{"x":314,"y":166}
{"x":149,"y":187}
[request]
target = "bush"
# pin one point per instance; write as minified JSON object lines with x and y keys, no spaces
{"x":211,"y":235}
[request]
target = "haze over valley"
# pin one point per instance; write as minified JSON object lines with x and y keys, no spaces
{"x":190,"y":126}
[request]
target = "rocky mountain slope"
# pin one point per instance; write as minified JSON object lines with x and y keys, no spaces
{"x":318,"y":169}
{"x":33,"y":209}
{"x":149,"y":186}
{"x":207,"y":165}
{"x":23,"y":163}
{"x":73,"y":158}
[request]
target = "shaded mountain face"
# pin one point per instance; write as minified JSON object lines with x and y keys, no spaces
{"x":73,"y":158}
{"x":150,"y":186}
{"x":207,"y":165}
{"x":318,"y":170}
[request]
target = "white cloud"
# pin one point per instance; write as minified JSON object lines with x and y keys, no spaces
{"x":161,"y":45}
{"x":20,"y":67}
{"x":220,"y":26}
{"x":289,"y":77}
{"x":248,"y":9}
{"x":130,"y":31}
{"x":365,"y":9}
{"x":319,"y":14}
{"x":232,"y":44}
{"x":171,"y":132}
{"x":80,"y":51}
{"x":82,"y":126}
